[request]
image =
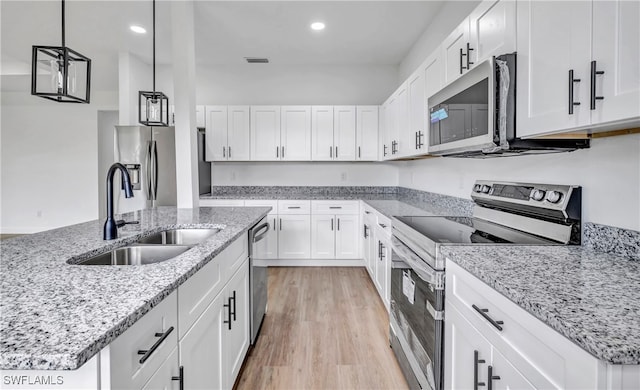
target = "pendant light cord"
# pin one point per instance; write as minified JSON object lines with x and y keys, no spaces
{"x":154,"y":47}
{"x":63,"y":41}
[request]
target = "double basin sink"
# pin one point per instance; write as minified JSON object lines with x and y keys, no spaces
{"x":153,"y":249}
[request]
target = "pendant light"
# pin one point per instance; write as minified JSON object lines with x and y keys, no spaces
{"x":59,"y":73}
{"x":154,"y":105}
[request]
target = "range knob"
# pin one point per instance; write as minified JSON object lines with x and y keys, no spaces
{"x":477,"y":188}
{"x":485,"y":189}
{"x":537,"y":195}
{"x":554,"y":196}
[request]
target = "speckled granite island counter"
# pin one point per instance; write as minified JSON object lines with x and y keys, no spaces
{"x":56,"y":316}
{"x":591,"y":298}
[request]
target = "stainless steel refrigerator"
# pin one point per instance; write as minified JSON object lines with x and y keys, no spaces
{"x":149,"y":153}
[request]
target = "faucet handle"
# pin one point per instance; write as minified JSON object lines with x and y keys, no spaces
{"x":122,"y":222}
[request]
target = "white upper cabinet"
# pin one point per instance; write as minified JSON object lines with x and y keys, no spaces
{"x":492,"y":30}
{"x":322,"y":132}
{"x":553,"y":44}
{"x":414,"y":134}
{"x":344,"y":133}
{"x":238,"y":133}
{"x":295,"y":133}
{"x":454,"y":51}
{"x":367,"y":133}
{"x":216,"y":133}
{"x":401,"y":127}
{"x":577,"y":66}
{"x":200,"y":116}
{"x":616,"y":52}
{"x":265,"y":133}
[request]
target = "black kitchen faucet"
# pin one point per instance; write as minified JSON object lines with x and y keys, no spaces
{"x":111,"y":225}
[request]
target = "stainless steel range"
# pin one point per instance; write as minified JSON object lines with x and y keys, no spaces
{"x":504,"y":213}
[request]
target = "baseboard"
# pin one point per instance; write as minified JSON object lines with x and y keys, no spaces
{"x":310,"y":263}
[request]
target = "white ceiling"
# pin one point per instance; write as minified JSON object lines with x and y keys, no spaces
{"x":358,"y":32}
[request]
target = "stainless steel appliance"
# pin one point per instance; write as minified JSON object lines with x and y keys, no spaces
{"x":204,"y":167}
{"x":258,"y":277}
{"x":475,"y":116}
{"x":506,"y":214}
{"x":149,"y":154}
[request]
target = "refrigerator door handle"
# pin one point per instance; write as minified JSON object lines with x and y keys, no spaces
{"x":149,"y":187}
{"x":155,"y":170}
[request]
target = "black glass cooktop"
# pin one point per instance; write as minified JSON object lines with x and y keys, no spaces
{"x":464,"y":230}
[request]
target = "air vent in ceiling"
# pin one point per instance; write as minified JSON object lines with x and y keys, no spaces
{"x":256,"y":60}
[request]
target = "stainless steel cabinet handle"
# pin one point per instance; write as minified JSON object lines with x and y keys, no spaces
{"x":229,"y":152}
{"x":338,"y":224}
{"x":283,"y":152}
{"x":224,"y":152}
{"x":483,"y":312}
{"x":148,"y":352}
{"x":274,"y":224}
{"x":461,"y":66}
{"x":469,"y":63}
{"x":280,"y":224}
{"x":382,"y":225}
{"x":336,"y":152}
{"x":293,"y":207}
{"x":331,"y":224}
{"x":277,"y":152}
{"x":335,"y":207}
{"x":359,"y":154}
{"x":331,"y":151}
{"x":228,"y":306}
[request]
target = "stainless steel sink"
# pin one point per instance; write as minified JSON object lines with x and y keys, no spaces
{"x":137,"y":255}
{"x":179,"y":237}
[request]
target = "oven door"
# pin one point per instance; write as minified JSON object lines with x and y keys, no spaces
{"x":417,"y":317}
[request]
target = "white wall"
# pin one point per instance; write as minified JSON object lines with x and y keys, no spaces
{"x":134,"y":76}
{"x":450,"y":16}
{"x":304,"y":174}
{"x":609,"y":173}
{"x":295,"y":84}
{"x":49,"y":161}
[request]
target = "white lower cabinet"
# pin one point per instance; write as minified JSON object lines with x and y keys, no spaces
{"x":294,"y":236}
{"x":334,"y":237}
{"x":383,"y":267}
{"x":517,"y":349}
{"x":347,"y":237}
{"x":235,"y":335}
{"x":168,"y":376}
{"x":368,"y":252}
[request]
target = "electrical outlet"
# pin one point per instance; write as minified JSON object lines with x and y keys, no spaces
{"x":343,"y":176}
{"x":233,"y":176}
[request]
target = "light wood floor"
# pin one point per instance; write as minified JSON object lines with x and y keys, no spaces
{"x":325,"y":328}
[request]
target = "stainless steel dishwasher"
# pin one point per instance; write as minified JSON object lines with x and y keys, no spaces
{"x":258,"y":277}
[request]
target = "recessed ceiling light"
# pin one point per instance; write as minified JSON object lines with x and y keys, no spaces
{"x":138,"y":29}
{"x":317,"y":26}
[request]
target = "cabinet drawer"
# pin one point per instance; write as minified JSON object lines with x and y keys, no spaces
{"x":524,"y":340}
{"x":263,"y":203}
{"x":334,"y":207}
{"x":126,"y":371}
{"x":294,"y":207}
{"x":221,"y":202}
{"x":197,"y":292}
{"x":232,"y":257}
{"x":384,"y":224}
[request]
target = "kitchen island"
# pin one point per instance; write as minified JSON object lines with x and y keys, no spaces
{"x":56,"y":315}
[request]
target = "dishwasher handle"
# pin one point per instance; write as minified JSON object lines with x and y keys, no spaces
{"x":260,"y":232}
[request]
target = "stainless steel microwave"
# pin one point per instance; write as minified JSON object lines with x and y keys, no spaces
{"x":475,"y":116}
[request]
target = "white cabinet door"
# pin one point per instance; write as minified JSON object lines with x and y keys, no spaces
{"x":554,"y":37}
{"x":391,"y":128}
{"x":265,"y":133}
{"x":367,"y":252}
{"x":401,"y":111}
{"x":382,"y":271}
{"x":236,"y":336}
{"x":201,"y":349}
{"x":465,"y":352}
{"x":162,"y":379}
{"x":344,"y":132}
{"x":383,"y":134}
{"x":454,"y":51}
{"x":294,"y":236}
{"x":322,"y":133}
{"x":295,"y":133}
{"x":616,"y":50}
{"x":414,"y":133}
{"x":367,"y":133}
{"x":433,"y":68}
{"x":492,"y":29}
{"x":323,"y":239}
{"x":347,"y":237}
{"x":238,"y":133}
{"x":200,"y":116}
{"x":216,"y":133}
{"x":505,"y":376}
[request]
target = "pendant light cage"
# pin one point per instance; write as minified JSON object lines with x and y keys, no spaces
{"x":59,"y":73}
{"x":153,"y":106}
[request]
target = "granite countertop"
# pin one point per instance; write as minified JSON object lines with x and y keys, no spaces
{"x":303,"y":195}
{"x":591,"y":298}
{"x":56,"y":316}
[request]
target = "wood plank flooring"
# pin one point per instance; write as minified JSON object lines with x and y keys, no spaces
{"x":325,"y":328}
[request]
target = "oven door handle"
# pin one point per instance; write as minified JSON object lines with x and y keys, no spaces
{"x":422,"y":269}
